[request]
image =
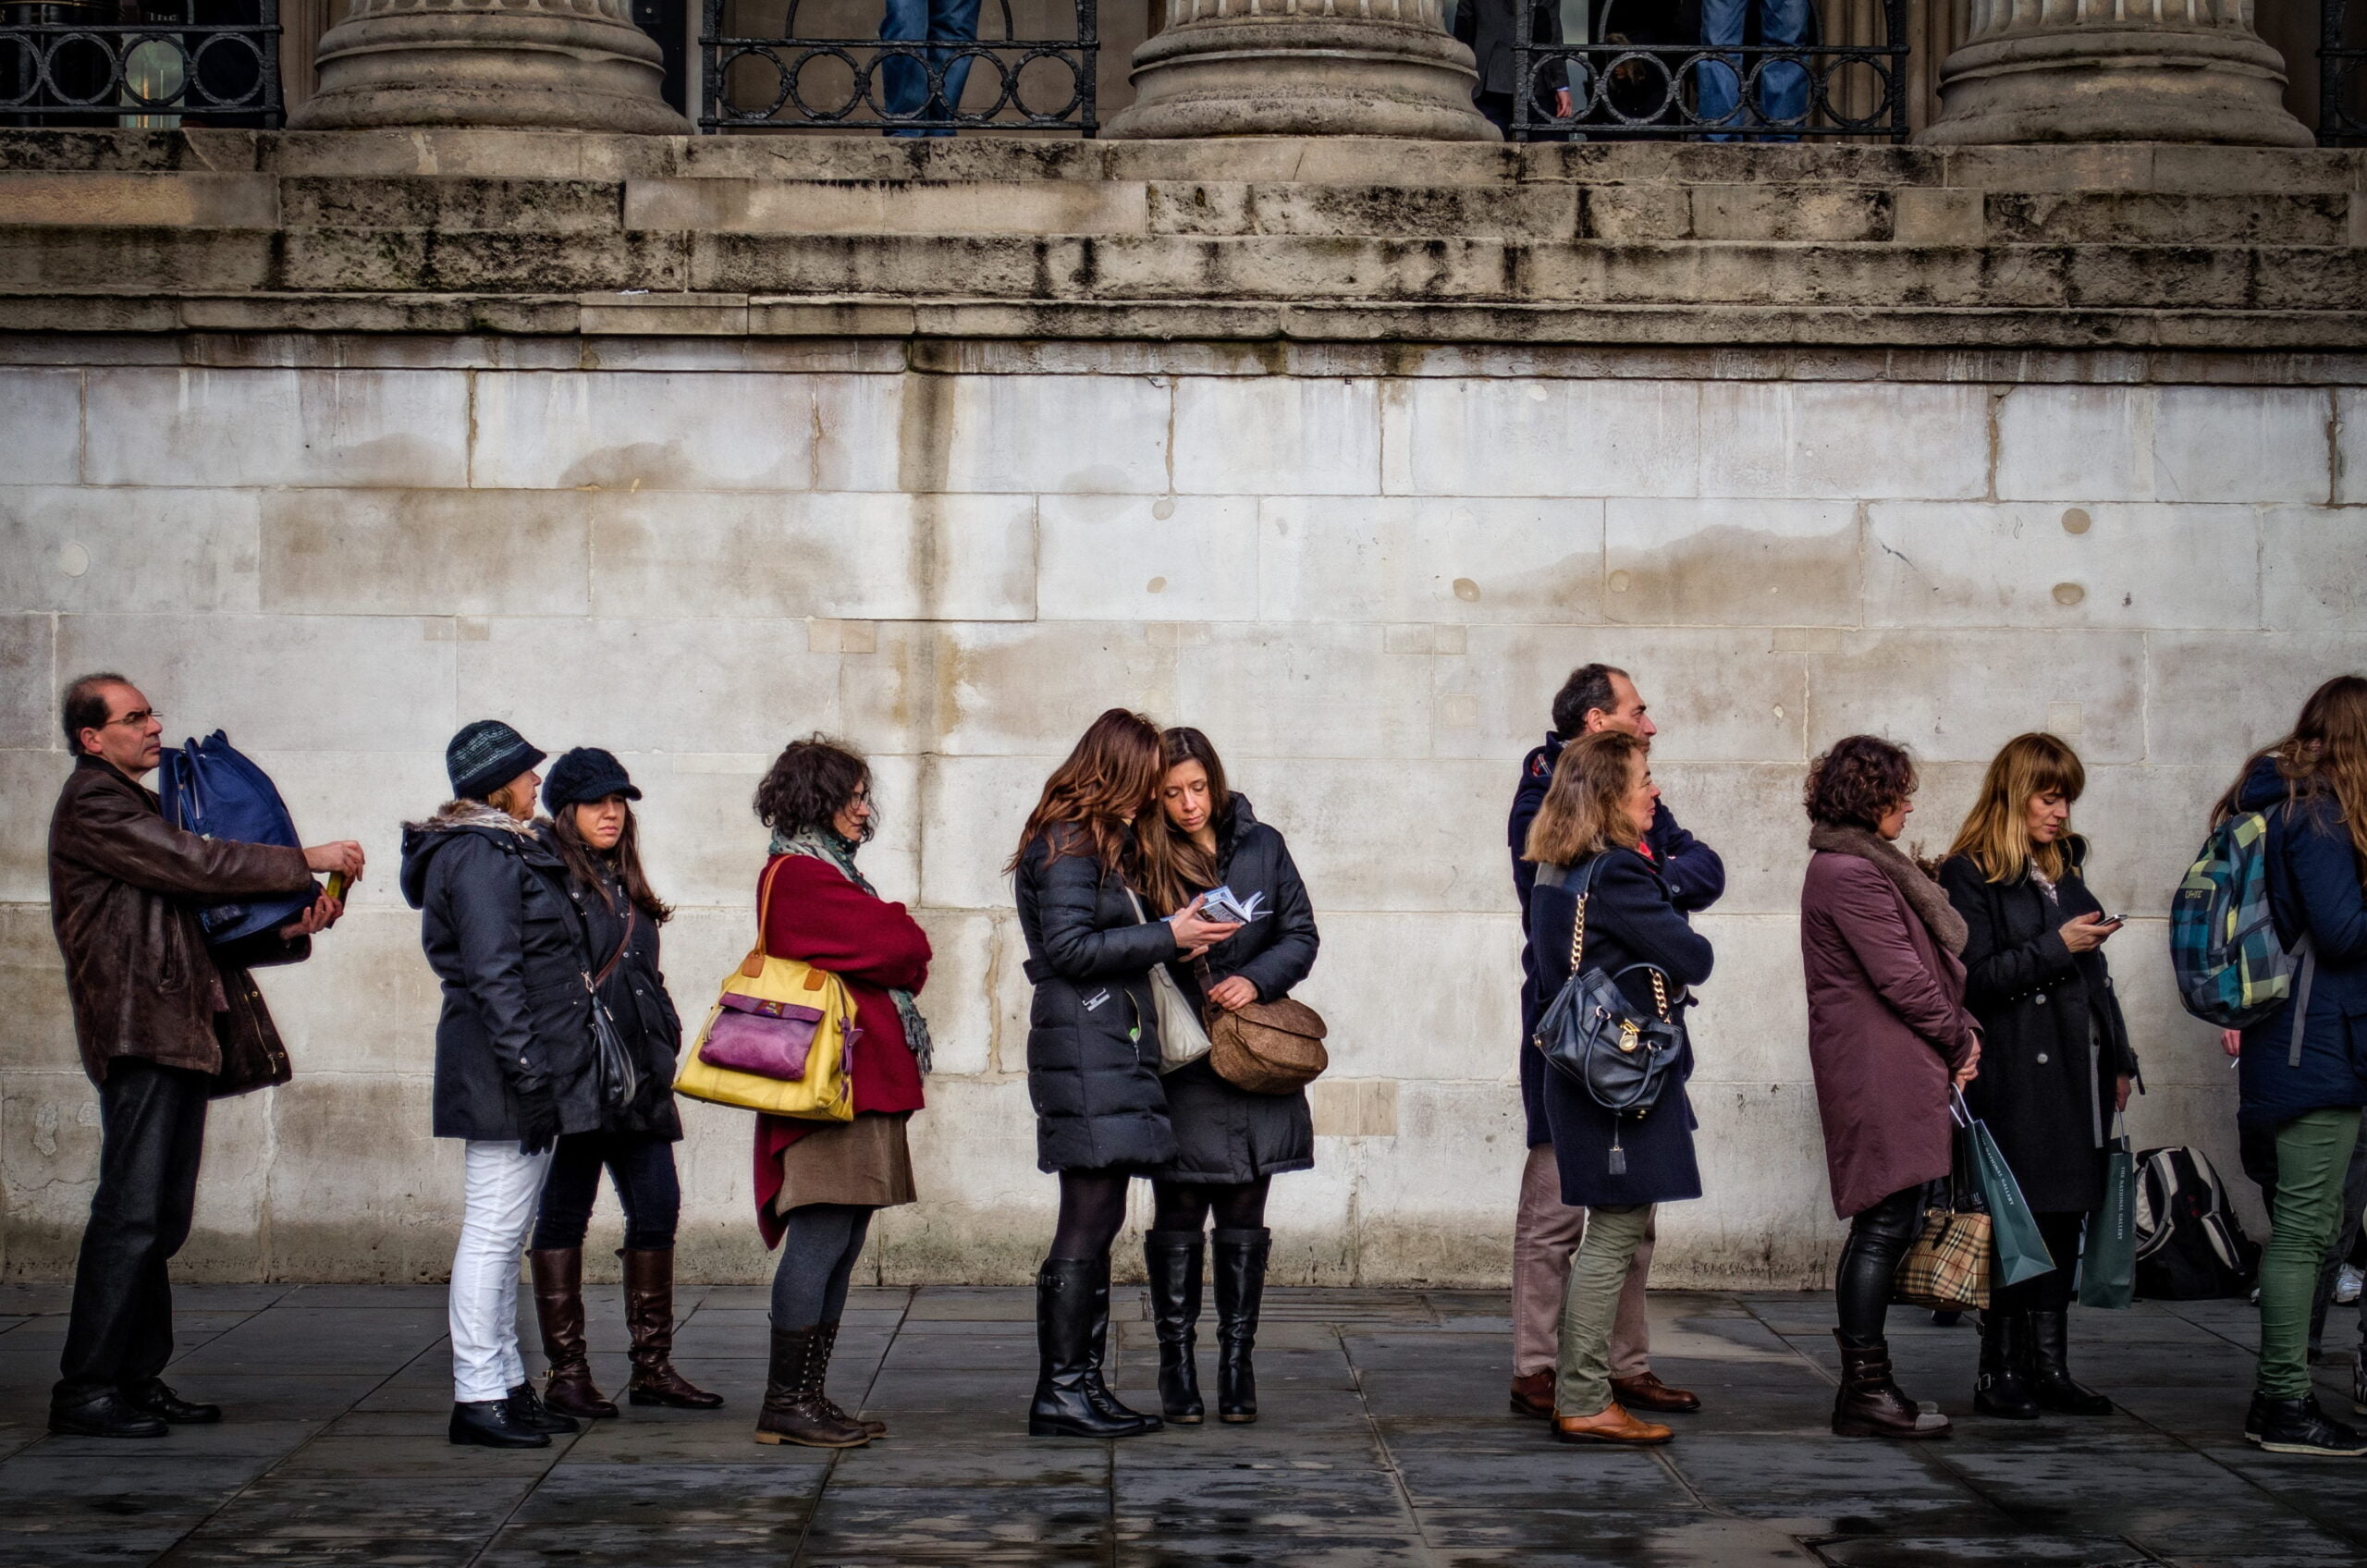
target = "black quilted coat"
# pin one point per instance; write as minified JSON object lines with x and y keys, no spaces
{"x":1093,"y":1028}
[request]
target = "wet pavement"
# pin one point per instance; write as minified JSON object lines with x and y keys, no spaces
{"x":1384,"y":1440}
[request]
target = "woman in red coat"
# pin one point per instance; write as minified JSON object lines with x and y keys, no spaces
{"x":819,"y":1182}
{"x":1888,"y":1035}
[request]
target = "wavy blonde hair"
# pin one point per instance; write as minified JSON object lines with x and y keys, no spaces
{"x":1581,"y":815}
{"x":1995,"y":836}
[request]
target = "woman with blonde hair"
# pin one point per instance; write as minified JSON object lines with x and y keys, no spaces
{"x":2303,"y":1080}
{"x":1589,"y":841}
{"x":1093,"y":1054}
{"x":2056,"y":1064}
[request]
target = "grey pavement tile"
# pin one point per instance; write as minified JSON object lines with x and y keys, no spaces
{"x":1769,"y":1477}
{"x":372,"y":1506}
{"x":959,"y":1523}
{"x":1005,"y":1458}
{"x":401,"y":1549}
{"x":131,"y":1542}
{"x":423,"y":1456}
{"x":2003,"y":1551}
{"x":602,"y":1497}
{"x":1550,"y":1476}
{"x":1609,"y":1538}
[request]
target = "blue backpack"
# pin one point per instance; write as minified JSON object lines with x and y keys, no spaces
{"x":2232,"y":968}
{"x":211,"y":789}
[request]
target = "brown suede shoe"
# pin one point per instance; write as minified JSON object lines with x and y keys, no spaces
{"x":1611,"y":1425}
{"x":1533,"y":1395}
{"x":1646,"y":1392}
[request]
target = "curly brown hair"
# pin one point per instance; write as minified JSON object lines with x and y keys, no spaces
{"x":1858,"y":782}
{"x":810,"y":783}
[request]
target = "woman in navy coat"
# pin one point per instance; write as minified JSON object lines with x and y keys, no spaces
{"x":1598,"y":808}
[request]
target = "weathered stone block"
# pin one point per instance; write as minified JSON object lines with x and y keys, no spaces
{"x":961,"y":1000}
{"x":32,"y":990}
{"x":28,"y":672}
{"x":1751,"y":1029}
{"x":854,"y":557}
{"x":633,"y":432}
{"x":127,"y":549}
{"x":427,"y":552}
{"x":1436,"y":1205}
{"x":29,"y":783}
{"x":346,"y":428}
{"x":2350,"y":442}
{"x":362,"y":794}
{"x":2143,"y":824}
{"x":1005,"y":433}
{"x":2172,"y":443}
{"x":365,"y":1001}
{"x":1958,"y":695}
{"x":1392,"y":558}
{"x":2313,"y":570}
{"x":1810,"y":439}
{"x":773,"y":206}
{"x":1732,"y":562}
{"x":1131,"y":557}
{"x":1773,"y":210}
{"x":1481,"y":437}
{"x":1335,"y":811}
{"x":1270,"y":436}
{"x":975,"y":807}
{"x":1718,"y":695}
{"x":1416,"y":1032}
{"x":41,"y":409}
{"x":1321,"y":691}
{"x":1985,"y":563}
{"x":2220,"y":696}
{"x":359,"y":1186}
{"x":1780,"y":1233}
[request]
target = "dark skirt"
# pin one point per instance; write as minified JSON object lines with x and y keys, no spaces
{"x":1225,"y":1136}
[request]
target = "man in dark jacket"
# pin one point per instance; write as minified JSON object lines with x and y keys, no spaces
{"x":163,"y":1024}
{"x":1546,"y":1230}
{"x":513,"y":1053}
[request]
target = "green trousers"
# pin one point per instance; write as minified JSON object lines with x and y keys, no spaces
{"x":1598,"y":1270}
{"x":2313,"y":1152}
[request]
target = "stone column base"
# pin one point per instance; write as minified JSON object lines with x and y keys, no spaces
{"x":1301,"y":75}
{"x":572,"y":64}
{"x":2102,"y":84}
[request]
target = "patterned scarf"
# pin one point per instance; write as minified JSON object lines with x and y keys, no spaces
{"x":825,"y":845}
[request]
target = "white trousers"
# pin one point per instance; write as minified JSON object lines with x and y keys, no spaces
{"x":501,"y":1189}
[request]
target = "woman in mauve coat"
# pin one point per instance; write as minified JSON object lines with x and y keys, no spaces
{"x":819,"y":1182}
{"x":1592,"y":823}
{"x":2056,"y":1066}
{"x":1888,"y":1039}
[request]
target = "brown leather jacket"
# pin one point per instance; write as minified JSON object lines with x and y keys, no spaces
{"x":124,"y":890}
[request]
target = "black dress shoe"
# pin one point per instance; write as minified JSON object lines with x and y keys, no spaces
{"x":104,"y":1415}
{"x":157,"y":1399}
{"x":526,"y":1408}
{"x":488,"y":1424}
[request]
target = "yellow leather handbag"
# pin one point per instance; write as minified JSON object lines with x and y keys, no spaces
{"x":780,"y":1039}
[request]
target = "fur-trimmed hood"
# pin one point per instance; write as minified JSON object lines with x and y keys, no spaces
{"x":422,"y":840}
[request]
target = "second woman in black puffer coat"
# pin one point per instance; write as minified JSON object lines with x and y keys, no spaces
{"x":1230,"y":1143}
{"x":1093,"y":1047}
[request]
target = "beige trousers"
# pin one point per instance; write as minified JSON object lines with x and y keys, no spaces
{"x":1546,"y":1233}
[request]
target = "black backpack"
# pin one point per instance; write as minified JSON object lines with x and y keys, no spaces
{"x":2189,"y":1247}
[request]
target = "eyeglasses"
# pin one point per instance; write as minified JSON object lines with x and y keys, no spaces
{"x":136,"y":717}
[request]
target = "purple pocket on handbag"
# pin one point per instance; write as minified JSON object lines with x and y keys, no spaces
{"x":769,"y":1039}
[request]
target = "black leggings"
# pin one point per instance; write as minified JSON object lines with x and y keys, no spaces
{"x":2050,"y":1291}
{"x":1093,"y":1209}
{"x":817,"y":1259}
{"x":1879,"y":1237}
{"x":1186,"y":1205}
{"x":642,"y":1168}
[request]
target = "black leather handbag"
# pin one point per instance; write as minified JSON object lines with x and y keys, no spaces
{"x":1593,"y":1036}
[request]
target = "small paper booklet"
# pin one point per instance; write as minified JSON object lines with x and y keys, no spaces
{"x":1225,"y":904}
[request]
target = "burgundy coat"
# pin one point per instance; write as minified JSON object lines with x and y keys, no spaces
{"x":1887,"y":1029}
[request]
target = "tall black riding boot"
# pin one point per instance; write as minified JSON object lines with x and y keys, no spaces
{"x":1241,"y":1284}
{"x":2050,"y":1374}
{"x":1173,"y":1259}
{"x":1999,"y":1389}
{"x":1072,"y":1327}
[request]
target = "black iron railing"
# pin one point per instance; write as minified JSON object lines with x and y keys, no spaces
{"x":921,"y":85}
{"x":2342,"y":84}
{"x":160,"y":65}
{"x":1624,"y":82}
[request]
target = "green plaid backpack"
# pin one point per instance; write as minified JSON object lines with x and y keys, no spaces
{"x":2232,"y":969}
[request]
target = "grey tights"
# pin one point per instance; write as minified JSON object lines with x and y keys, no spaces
{"x":816,"y":1261}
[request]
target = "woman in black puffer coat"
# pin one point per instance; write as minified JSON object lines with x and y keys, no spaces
{"x":1229,"y":1142}
{"x":1093,"y":1047}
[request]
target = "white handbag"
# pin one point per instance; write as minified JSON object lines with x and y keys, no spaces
{"x":1183,"y":1038}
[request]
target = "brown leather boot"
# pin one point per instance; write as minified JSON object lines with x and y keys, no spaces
{"x":558,"y":1307}
{"x":649,"y":1314}
{"x":828,"y":1333}
{"x":1870,"y":1405}
{"x":794,"y":1410}
{"x":1610,"y":1425}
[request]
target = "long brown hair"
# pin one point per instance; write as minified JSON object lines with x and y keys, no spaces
{"x":1995,"y":835}
{"x":1112,"y":777}
{"x":1582,"y":814}
{"x":1172,"y":864}
{"x":584,"y":863}
{"x":2326,"y":754}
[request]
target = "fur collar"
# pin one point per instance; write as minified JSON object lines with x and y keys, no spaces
{"x":454,"y":815}
{"x":1915,"y":884}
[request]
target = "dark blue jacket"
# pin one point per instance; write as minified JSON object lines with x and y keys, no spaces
{"x":1694,"y":873}
{"x":1631,"y":918}
{"x":2314,"y":888}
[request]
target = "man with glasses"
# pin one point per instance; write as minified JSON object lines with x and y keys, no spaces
{"x":155,"y":1013}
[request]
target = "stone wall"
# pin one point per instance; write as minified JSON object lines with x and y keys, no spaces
{"x":1364,"y":586}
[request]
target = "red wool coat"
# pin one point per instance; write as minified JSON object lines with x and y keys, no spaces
{"x":820,"y":917}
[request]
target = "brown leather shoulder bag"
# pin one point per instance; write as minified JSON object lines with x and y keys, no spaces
{"x":1266,"y":1048}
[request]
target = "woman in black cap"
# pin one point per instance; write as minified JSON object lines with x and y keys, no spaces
{"x":513,"y":1052}
{"x":591,"y":827}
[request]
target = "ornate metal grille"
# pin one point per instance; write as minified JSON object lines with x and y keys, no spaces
{"x":139,"y":63}
{"x":2342,"y":85}
{"x":1620,"y":84}
{"x":791,"y":82}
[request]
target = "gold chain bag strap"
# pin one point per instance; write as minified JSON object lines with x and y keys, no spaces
{"x":1266,"y":1048}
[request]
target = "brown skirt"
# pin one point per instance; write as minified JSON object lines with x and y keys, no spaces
{"x":863,"y":1162}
